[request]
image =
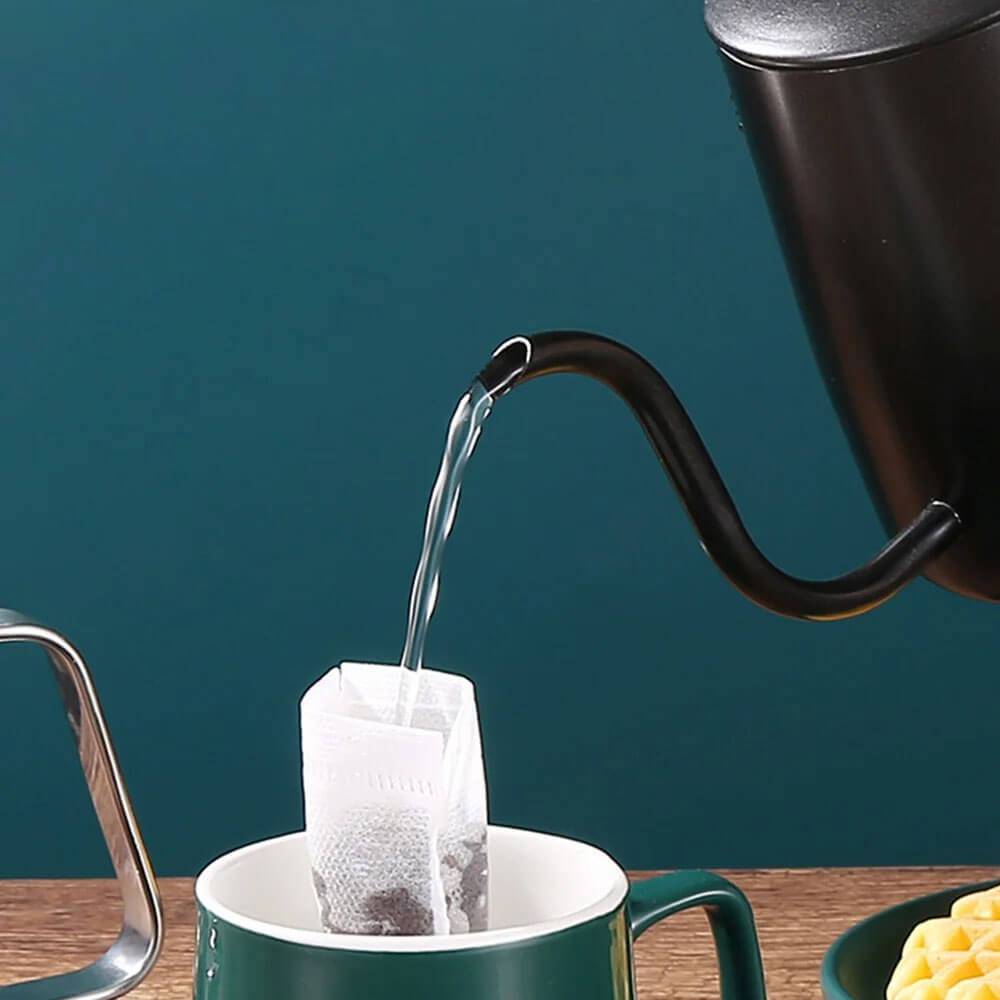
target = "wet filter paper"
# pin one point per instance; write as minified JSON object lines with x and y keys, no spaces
{"x":396,"y":818}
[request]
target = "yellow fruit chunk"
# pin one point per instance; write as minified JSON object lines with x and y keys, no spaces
{"x":991,"y":941}
{"x":924,"y":990}
{"x":972,"y":989}
{"x":911,"y":969}
{"x":953,"y":972}
{"x":983,"y":905}
{"x":955,"y":957}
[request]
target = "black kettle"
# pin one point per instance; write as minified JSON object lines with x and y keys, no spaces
{"x":875,"y":129}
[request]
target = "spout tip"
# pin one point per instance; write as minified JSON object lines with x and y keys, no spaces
{"x":509,"y":364}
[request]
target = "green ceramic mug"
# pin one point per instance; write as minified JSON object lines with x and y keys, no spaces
{"x":562,"y":923}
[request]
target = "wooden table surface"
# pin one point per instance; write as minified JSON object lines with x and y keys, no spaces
{"x":48,"y":927}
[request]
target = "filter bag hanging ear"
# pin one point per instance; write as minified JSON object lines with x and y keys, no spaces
{"x":396,"y":817}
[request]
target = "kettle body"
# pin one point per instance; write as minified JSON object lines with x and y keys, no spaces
{"x":875,"y":130}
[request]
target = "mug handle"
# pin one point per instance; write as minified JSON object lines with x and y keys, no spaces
{"x":741,"y":973}
{"x":125,"y":964}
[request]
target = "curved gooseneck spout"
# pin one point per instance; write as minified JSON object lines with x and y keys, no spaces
{"x":702,"y":491}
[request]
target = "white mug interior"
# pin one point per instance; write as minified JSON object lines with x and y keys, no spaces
{"x":539,"y":885}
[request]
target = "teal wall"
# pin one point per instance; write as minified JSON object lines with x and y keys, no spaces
{"x":250,"y":254}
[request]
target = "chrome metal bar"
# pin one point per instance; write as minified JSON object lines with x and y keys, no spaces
{"x":129,"y":959}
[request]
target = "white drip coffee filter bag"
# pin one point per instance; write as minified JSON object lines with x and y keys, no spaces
{"x":395,"y":816}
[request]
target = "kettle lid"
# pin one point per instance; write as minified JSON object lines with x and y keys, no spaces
{"x":816,"y":33}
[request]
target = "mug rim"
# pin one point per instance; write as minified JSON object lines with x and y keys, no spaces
{"x":603,"y":907}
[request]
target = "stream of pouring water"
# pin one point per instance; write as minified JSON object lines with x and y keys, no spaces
{"x":463,"y":433}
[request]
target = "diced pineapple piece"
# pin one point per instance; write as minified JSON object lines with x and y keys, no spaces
{"x":955,"y":957}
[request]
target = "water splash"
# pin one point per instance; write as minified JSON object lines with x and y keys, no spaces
{"x":463,"y":433}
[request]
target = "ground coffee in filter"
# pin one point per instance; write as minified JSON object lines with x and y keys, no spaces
{"x":395,"y":816}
